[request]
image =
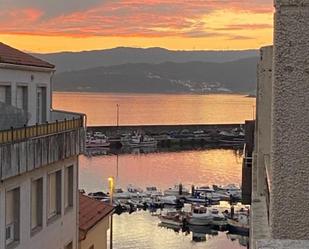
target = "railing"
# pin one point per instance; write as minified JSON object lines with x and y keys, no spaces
{"x":267,"y":182}
{"x":28,"y":132}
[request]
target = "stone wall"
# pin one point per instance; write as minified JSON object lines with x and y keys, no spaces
{"x":290,"y":122}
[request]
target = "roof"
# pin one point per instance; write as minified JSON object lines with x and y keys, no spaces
{"x":91,"y":212}
{"x":13,"y":56}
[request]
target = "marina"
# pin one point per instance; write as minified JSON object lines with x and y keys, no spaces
{"x":150,"y":173}
{"x":155,"y":169}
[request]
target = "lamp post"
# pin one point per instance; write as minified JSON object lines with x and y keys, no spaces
{"x":111,"y":191}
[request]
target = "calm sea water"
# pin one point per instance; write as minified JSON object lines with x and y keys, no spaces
{"x":157,"y":108}
{"x":140,"y":230}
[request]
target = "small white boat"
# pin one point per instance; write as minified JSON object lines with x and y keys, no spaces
{"x":153,"y":191}
{"x":120,"y":194}
{"x":211,"y":194}
{"x":99,"y":135}
{"x":138,"y":141}
{"x":239,"y":223}
{"x":97,"y":143}
{"x":202,"y":216}
{"x":169,"y":200}
{"x":218,"y":218}
{"x":177,"y":190}
{"x":199,"y":216}
{"x":231,"y":190}
{"x":135,"y":192}
{"x":172,"y":218}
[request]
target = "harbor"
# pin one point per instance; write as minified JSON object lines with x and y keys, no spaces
{"x":179,"y":150}
{"x":228,"y":135}
{"x":199,"y":167}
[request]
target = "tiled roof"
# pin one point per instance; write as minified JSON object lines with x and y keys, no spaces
{"x":11,"y":55}
{"x":91,"y":212}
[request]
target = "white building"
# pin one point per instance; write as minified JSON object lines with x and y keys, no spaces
{"x":38,"y":161}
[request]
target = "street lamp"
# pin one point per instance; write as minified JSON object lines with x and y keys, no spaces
{"x":111,"y":183}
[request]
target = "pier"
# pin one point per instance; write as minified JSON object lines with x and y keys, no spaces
{"x":187,"y":134}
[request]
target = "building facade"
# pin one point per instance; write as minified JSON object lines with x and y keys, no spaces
{"x":94,"y":222}
{"x":39,"y":150}
{"x":280,"y":169}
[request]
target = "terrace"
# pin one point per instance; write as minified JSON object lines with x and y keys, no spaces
{"x":30,"y":147}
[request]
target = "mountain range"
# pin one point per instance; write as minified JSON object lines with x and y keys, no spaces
{"x":154,"y":70}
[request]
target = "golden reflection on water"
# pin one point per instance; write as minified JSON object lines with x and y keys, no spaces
{"x":157,"y":108}
{"x":214,"y":166}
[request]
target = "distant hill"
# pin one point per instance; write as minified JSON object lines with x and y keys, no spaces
{"x":166,"y":77}
{"x":71,"y":61}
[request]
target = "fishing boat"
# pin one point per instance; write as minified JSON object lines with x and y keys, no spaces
{"x":97,"y":143}
{"x":211,"y":194}
{"x":231,"y":190}
{"x":135,"y":192}
{"x":177,"y":190}
{"x":120,"y":194}
{"x":199,"y":216}
{"x":169,"y":200}
{"x":218,"y":219}
{"x":152,"y":191}
{"x":173,"y":218}
{"x":203,"y":216}
{"x":239,"y":223}
{"x":137,"y":141}
{"x":196,"y":199}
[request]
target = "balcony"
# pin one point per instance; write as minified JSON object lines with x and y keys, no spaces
{"x":31,"y":147}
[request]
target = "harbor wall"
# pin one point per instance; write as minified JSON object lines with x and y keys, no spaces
{"x":161,"y":129}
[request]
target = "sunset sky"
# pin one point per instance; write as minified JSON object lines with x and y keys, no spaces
{"x":75,"y":25}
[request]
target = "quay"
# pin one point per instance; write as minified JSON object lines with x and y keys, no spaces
{"x":184,"y":134}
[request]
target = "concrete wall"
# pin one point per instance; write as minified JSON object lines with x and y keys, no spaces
{"x":32,"y":79}
{"x":158,"y":129}
{"x":97,"y":236}
{"x":54,"y":235}
{"x":20,"y":157}
{"x":263,"y":115}
{"x":259,"y":204}
{"x":290,"y":137}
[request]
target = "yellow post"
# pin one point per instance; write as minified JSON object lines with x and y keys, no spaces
{"x":111,"y":182}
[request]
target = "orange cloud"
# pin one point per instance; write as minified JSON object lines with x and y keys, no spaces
{"x":128,"y":18}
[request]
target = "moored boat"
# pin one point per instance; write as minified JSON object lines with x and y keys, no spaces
{"x":137,"y":141}
{"x":97,"y":143}
{"x":172,"y":218}
{"x":239,"y":223}
{"x":199,"y":216}
{"x":177,"y":190}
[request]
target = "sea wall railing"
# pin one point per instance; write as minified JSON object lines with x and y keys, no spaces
{"x":27,"y":132}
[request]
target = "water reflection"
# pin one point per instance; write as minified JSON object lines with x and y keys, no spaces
{"x":162,"y":169}
{"x":157,"y":108}
{"x":143,"y":230}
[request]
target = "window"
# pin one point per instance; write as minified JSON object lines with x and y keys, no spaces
{"x":36,"y":204}
{"x":69,"y":246}
{"x":22,"y":98}
{"x":5,"y":95}
{"x":54,"y":194}
{"x":41,"y":104}
{"x":12,"y":213}
{"x":68,"y":187}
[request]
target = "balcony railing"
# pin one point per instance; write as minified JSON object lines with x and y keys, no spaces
{"x":62,"y":121}
{"x":31,"y":147}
